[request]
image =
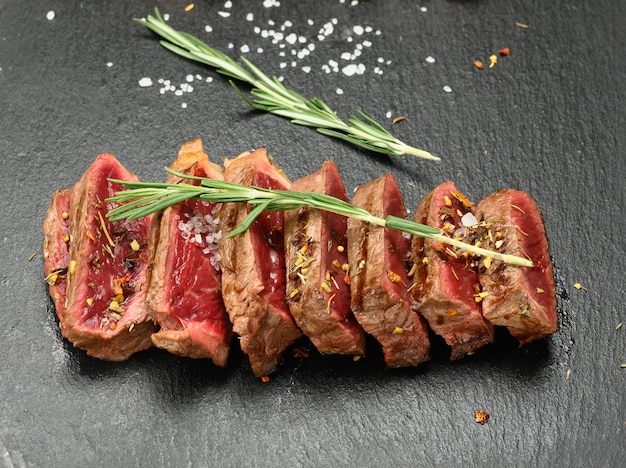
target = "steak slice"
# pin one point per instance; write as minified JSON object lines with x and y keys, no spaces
{"x":379,"y":279}
{"x":184,"y":283}
{"x":318,"y":291}
{"x":56,"y":247}
{"x":446,"y":290}
{"x":520,"y":298}
{"x":253,"y":268}
{"x":104,"y":311}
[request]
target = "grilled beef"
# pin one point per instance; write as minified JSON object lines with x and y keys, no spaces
{"x":521,"y":299}
{"x":184,"y":285}
{"x":56,"y":247}
{"x":253,"y":268}
{"x":446,"y":285}
{"x":318,"y":291}
{"x":378,"y":277}
{"x":104,"y":311}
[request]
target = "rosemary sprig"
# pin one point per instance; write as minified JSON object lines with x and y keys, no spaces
{"x":144,"y":198}
{"x":270,"y":95}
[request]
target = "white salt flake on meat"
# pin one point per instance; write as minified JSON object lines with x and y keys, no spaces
{"x":310,"y":22}
{"x":228,"y":4}
{"x":346,"y":56}
{"x":145,"y":82}
{"x":224,"y":14}
{"x":271,"y":3}
{"x":358,"y":30}
{"x":189,"y":78}
{"x":292,"y":38}
{"x":430,"y":59}
{"x":184,"y":105}
{"x":339,"y":91}
{"x":109,"y":64}
{"x":166,"y":16}
{"x":469,"y":220}
{"x":50,"y":15}
{"x":306,"y":69}
{"x":388,"y":114}
{"x":423,"y":9}
{"x":250,"y":17}
{"x":245,"y":49}
{"x":208,"y":28}
{"x":447,"y":89}
{"x":353,"y":69}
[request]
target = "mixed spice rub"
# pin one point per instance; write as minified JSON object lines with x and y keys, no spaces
{"x":379,"y":278}
{"x":99,"y":266}
{"x":446,"y":290}
{"x":318,"y":279}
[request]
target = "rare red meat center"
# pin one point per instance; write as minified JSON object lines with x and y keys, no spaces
{"x":184,"y":282}
{"x":379,"y":277}
{"x":105,"y":277}
{"x":523,"y":300}
{"x":253,"y":268}
{"x":316,"y":255}
{"x":446,"y":281}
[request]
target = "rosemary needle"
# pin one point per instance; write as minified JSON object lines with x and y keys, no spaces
{"x":270,"y":95}
{"x":144,"y":198}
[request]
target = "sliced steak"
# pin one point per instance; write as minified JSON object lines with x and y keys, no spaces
{"x":446,"y":287}
{"x":519,"y":298}
{"x":56,"y":247}
{"x":184,"y":282}
{"x":253,"y":268}
{"x":104,"y":311}
{"x":318,"y":290}
{"x":379,"y":278}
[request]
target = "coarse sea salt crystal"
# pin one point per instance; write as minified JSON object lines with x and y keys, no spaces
{"x":358,"y":30}
{"x":306,"y":69}
{"x":250,"y":17}
{"x":228,"y":4}
{"x":224,"y":14}
{"x":145,"y":82}
{"x":245,"y":49}
{"x":447,"y":89}
{"x":430,"y":59}
{"x":50,"y":15}
{"x":469,"y":220}
{"x":339,"y":91}
{"x":189,"y":78}
{"x":109,"y":64}
{"x":208,"y":28}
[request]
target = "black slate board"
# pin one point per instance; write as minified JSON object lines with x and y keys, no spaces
{"x":548,"y":119}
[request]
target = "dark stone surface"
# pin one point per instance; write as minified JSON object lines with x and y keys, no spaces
{"x":548,"y":119}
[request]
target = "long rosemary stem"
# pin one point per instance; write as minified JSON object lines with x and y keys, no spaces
{"x":144,"y":198}
{"x":270,"y":95}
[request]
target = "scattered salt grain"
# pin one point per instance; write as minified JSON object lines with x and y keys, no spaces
{"x":346,"y":56}
{"x":353,"y":69}
{"x":310,"y":22}
{"x":339,"y":91}
{"x":184,"y":105}
{"x":469,"y":220}
{"x":50,"y":15}
{"x":423,"y":9}
{"x":145,"y":82}
{"x":224,"y":14}
{"x":306,"y":69}
{"x":208,"y":28}
{"x":228,"y":4}
{"x":209,"y":79}
{"x":189,"y":78}
{"x":244,"y":49}
{"x":271,"y":3}
{"x":292,"y":38}
{"x":430,"y":59}
{"x":259,"y":50}
{"x":447,"y":89}
{"x":358,"y":30}
{"x":166,"y":16}
{"x":388,"y":114}
{"x":250,"y":17}
{"x":109,"y":64}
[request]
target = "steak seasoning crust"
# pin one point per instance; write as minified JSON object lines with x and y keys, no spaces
{"x":379,"y":278}
{"x":521,"y":299}
{"x":184,"y":281}
{"x":318,"y":281}
{"x":253,"y":268}
{"x":447,"y":290}
{"x":105,"y":274}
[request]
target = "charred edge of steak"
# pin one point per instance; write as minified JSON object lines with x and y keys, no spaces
{"x":379,"y":277}
{"x":446,"y":289}
{"x":521,"y":299}
{"x":253,"y":269}
{"x":105,"y":313}
{"x":318,"y":291}
{"x":184,"y":282}
{"x":56,"y":250}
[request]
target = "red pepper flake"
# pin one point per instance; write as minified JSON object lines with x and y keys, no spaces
{"x":478,"y":64}
{"x":481,"y":417}
{"x":265,"y":379}
{"x":398,"y":119}
{"x":505,"y":52}
{"x":190,"y":7}
{"x":346,"y":279}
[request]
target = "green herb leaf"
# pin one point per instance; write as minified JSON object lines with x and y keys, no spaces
{"x":273,"y":97}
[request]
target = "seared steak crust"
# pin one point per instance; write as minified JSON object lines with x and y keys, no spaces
{"x":521,"y":299}
{"x":104,"y":311}
{"x":446,"y":282}
{"x":318,"y":291}
{"x":379,"y":279}
{"x":253,"y":268}
{"x":184,"y":282}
